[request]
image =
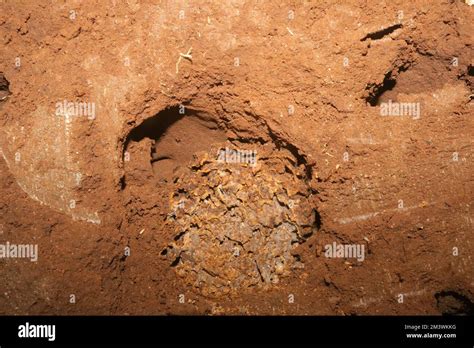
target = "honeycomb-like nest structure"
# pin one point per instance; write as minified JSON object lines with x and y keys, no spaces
{"x":238,"y":223}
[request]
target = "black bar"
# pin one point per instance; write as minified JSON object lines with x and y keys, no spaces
{"x":226,"y":330}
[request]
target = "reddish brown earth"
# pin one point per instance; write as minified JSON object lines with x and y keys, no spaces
{"x":303,"y":86}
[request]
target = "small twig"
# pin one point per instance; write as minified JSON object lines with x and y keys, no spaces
{"x":187,"y":55}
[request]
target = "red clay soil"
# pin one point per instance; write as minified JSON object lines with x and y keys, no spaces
{"x":173,"y":213}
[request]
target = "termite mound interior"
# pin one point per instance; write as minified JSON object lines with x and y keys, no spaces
{"x":240,"y":212}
